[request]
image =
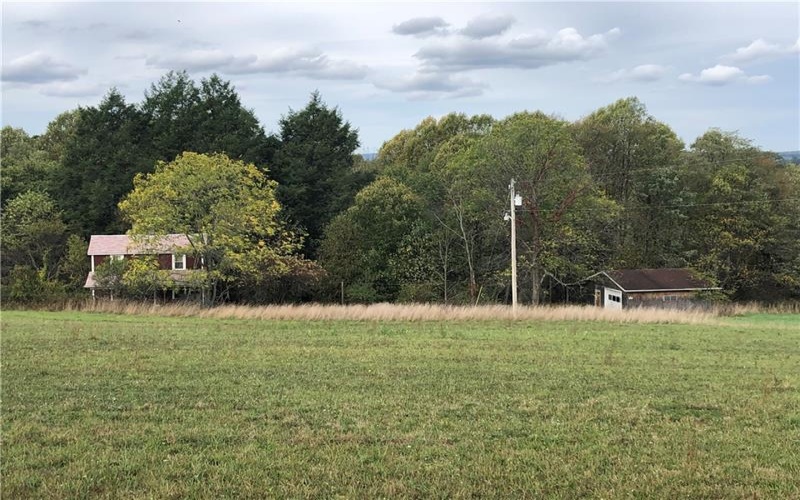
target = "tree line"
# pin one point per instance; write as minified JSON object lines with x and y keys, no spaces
{"x":298,"y":216}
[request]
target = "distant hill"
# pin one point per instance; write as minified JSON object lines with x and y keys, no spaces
{"x":790,"y":156}
{"x":369,"y":156}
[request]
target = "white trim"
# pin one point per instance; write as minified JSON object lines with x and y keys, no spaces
{"x":179,"y":268}
{"x":91,"y":257}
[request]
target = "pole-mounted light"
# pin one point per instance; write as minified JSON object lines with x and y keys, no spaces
{"x":515,"y":201}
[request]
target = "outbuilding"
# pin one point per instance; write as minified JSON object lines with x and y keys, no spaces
{"x":625,"y":288}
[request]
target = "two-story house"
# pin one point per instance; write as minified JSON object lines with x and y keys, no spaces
{"x":169,"y":251}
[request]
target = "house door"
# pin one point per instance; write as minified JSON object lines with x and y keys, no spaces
{"x":613,"y":298}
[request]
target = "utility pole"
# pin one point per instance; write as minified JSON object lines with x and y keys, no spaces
{"x":513,"y":199}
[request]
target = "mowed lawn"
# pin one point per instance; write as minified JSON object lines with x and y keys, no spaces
{"x":97,"y":405}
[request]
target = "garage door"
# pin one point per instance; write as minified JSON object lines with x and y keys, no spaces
{"x":613,"y":299}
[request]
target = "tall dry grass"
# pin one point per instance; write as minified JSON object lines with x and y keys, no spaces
{"x":740,"y":309}
{"x":399,"y":312}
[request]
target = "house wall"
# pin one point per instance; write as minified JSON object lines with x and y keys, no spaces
{"x":659,"y":295}
{"x":165,"y":261}
{"x":659,"y":299}
{"x":647,"y":299}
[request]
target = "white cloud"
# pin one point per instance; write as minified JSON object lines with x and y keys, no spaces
{"x":422,"y":27}
{"x":38,"y":67}
{"x":643,"y":73}
{"x":527,"y":52}
{"x":72,"y":89}
{"x":723,"y":75}
{"x":306,"y":62}
{"x":488,"y":25}
{"x":760,"y":49}
{"x":426,"y":86}
{"x":198,"y":60}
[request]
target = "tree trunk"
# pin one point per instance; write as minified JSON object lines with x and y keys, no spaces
{"x":536,"y":284}
{"x":473,"y":287}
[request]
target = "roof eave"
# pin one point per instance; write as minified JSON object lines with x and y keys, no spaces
{"x":674,"y":290}
{"x":613,"y":281}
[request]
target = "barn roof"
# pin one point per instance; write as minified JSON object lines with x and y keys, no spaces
{"x":656,"y":280}
{"x":123,"y":244}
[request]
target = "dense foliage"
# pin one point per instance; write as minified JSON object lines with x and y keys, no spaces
{"x":314,"y":167}
{"x":298,"y":216}
{"x":226,"y":209}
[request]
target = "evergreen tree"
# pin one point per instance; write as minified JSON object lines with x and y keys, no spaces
{"x":207,"y":119}
{"x":314,"y":167}
{"x":171,"y":108}
{"x":107,"y":149}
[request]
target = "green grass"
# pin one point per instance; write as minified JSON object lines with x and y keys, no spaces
{"x":114,"y":406}
{"x":791,"y":320}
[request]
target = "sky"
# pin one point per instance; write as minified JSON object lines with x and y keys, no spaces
{"x":735,"y":66}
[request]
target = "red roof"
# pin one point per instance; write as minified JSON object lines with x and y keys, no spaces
{"x":640,"y":280}
{"x":123,"y":244}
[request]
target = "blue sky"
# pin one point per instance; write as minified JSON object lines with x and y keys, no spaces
{"x":735,"y":66}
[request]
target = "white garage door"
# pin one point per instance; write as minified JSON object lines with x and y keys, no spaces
{"x":613,"y":298}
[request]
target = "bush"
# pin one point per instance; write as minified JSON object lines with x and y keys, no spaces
{"x":29,"y":286}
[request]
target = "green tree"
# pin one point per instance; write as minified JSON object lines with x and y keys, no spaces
{"x":75,"y":264}
{"x":104,"y":147}
{"x":226,"y":208}
{"x":26,"y":166}
{"x":562,"y":209}
{"x":635,"y":159}
{"x":109,"y":276}
{"x":744,"y":217}
{"x":172,"y":109}
{"x":228,"y":127}
{"x":362,"y":245}
{"x":26,"y":285}
{"x":460,"y":235}
{"x":314,"y":167}
{"x":59,"y":133}
{"x":209,"y":118}
{"x":107,"y":149}
{"x":33,"y":233}
{"x":144,"y":278}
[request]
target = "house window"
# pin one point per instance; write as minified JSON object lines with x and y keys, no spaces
{"x":178,"y":262}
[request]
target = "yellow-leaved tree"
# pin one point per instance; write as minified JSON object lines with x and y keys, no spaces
{"x":228,"y":212}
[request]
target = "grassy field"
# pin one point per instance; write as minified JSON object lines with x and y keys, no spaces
{"x":115,"y":406}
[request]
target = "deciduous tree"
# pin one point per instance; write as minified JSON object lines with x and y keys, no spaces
{"x":33,"y":233}
{"x":226,"y":208}
{"x":361,"y":244}
{"x":560,"y":200}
